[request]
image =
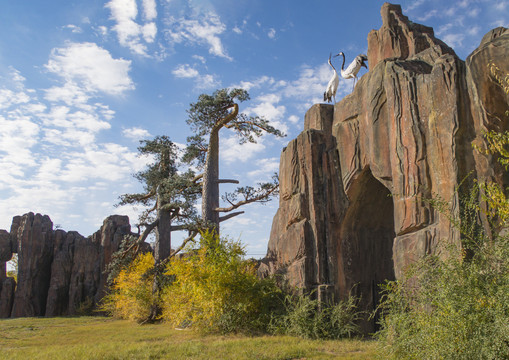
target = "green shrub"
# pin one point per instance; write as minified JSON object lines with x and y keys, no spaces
{"x":455,"y":308}
{"x":308,"y":318}
{"x":456,"y":305}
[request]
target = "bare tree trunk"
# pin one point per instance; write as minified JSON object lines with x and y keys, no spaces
{"x":163,"y":236}
{"x":162,"y":250}
{"x":210,"y":192}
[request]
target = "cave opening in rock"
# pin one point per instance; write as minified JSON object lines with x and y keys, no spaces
{"x":367,"y":235}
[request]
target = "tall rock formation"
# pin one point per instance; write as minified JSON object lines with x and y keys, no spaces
{"x":59,"y":273}
{"x":354,"y":184}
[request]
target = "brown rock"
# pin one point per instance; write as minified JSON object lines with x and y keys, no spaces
{"x":7,"y":288}
{"x":355,"y":185}
{"x":113,"y":230}
{"x":488,"y":87}
{"x":61,"y":271}
{"x":35,"y":254}
{"x":5,"y":246}
{"x":311,"y":199}
{"x":85,"y":273}
{"x":399,"y":38}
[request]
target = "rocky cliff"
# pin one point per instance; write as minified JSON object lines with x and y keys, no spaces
{"x":59,"y":273}
{"x":354,"y":183}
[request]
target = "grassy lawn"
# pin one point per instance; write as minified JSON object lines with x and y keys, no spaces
{"x":103,"y":338}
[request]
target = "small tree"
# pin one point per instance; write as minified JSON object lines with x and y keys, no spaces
{"x":207,"y":117}
{"x":169,"y":196}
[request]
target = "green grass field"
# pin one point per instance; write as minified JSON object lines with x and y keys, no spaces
{"x":104,"y":338}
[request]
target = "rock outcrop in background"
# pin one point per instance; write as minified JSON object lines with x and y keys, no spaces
{"x":354,"y":183}
{"x":59,"y":273}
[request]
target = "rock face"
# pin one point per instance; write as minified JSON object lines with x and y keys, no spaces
{"x":59,"y":273}
{"x":35,"y":254}
{"x":354,"y":183}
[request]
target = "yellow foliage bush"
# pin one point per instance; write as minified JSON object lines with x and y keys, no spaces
{"x":131,"y":293}
{"x":213,"y":289}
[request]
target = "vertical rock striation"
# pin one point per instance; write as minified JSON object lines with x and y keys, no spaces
{"x":59,"y":273}
{"x":354,"y":183}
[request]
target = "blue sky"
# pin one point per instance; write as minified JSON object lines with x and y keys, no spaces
{"x":81,"y":82}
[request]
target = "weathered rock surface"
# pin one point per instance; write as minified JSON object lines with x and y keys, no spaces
{"x":7,"y":297}
{"x":59,"y":273}
{"x":5,"y":246}
{"x":35,"y":254}
{"x":353,"y":184}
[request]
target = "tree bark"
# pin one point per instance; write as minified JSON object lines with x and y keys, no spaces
{"x":163,"y":229}
{"x":210,"y":194}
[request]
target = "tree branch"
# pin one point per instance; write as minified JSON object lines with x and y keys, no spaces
{"x":163,"y":262}
{"x":142,"y":237}
{"x":247,"y":200}
{"x":229,"y":117}
{"x":229,"y":216}
{"x":197,"y":177}
{"x":227,"y":181}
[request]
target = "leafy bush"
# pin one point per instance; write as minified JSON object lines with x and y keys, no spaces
{"x":214,"y":290}
{"x":309,"y":318}
{"x":131,"y":294}
{"x":456,"y":308}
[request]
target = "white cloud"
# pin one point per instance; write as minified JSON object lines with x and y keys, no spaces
{"x":91,"y":67}
{"x":202,"y":81}
{"x":237,"y":30}
{"x":429,"y":14}
{"x":102,"y":30}
{"x":9,"y":98}
{"x":49,"y":153}
{"x":129,"y":32}
{"x":453,"y":40}
{"x":201,"y":29}
{"x":185,"y":71}
{"x":17,"y":137}
{"x":232,"y":151}
{"x":149,"y":9}
{"x":413,"y":5}
{"x":501,"y":5}
{"x":200,"y":58}
{"x":293,"y":119}
{"x":473,"y":12}
{"x":269,"y":109}
{"x":265,"y":168}
{"x":136,"y":133}
{"x":272,"y":33}
{"x":207,"y":81}
{"x":256,"y":83}
{"x":474,"y":30}
{"x":69,"y":93}
{"x":74,"y":29}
